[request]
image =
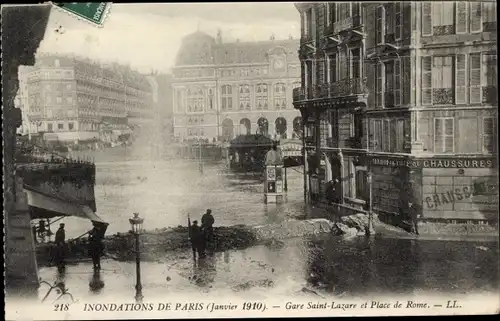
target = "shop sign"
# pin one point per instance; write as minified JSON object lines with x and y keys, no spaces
{"x":434,"y":162}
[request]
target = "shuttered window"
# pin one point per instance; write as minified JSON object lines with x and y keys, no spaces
{"x":333,"y":68}
{"x":397,"y":82}
{"x":488,"y":134}
{"x":386,"y":138}
{"x":427,"y":18}
{"x":361,"y":184}
{"x":426,"y":80}
{"x":393,"y":134}
{"x":442,"y":72}
{"x":460,"y":79}
{"x":379,"y":85}
{"x":490,"y":70}
{"x":400,"y":136}
{"x":377,"y":135}
{"x":444,"y":135}
{"x":475,"y":78}
{"x":389,"y":18}
{"x":476,"y":23}
{"x":406,"y":87}
{"x":379,"y":28}
{"x":461,"y":17}
{"x":398,"y":20}
{"x":442,"y":13}
{"x":489,"y":11}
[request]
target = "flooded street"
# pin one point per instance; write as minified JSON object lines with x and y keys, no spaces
{"x":165,"y":192}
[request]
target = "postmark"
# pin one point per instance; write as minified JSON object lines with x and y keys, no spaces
{"x":93,"y":12}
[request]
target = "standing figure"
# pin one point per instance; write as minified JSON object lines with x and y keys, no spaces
{"x":413,"y":214}
{"x":95,"y":247}
{"x":207,"y":222}
{"x":60,"y":246}
{"x":196,"y":240}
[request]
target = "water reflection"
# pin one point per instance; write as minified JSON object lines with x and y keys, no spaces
{"x":96,"y":284}
{"x":364,"y":265}
{"x":205,"y":271}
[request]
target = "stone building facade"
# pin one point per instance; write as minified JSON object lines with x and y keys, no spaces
{"x":222,"y":90}
{"x":74,"y":99}
{"x":400,"y":102}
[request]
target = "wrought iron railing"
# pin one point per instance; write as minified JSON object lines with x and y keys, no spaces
{"x":443,"y":96}
{"x":347,"y":23}
{"x":348,"y":87}
{"x":490,"y":94}
{"x":299,"y":94}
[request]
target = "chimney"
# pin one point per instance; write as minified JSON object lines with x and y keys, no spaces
{"x":218,"y":39}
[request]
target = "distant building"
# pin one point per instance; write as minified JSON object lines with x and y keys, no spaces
{"x":226,"y":89}
{"x":75,"y":99}
{"x":22,"y":99}
{"x":404,"y":93}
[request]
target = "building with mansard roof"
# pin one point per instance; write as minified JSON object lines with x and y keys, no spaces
{"x":222,"y":90}
{"x":400,"y":105}
{"x":76,"y":99}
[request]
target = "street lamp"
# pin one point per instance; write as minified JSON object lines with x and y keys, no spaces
{"x":370,"y":230}
{"x":136,"y":223}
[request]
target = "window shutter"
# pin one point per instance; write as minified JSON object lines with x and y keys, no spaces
{"x":386,"y":137}
{"x":488,"y":134}
{"x":475,"y":78}
{"x":476,"y":23}
{"x":438,"y":135}
{"x":398,"y":23}
{"x":397,"y":82}
{"x":461,"y":17}
{"x":379,"y":28}
{"x":427,"y":18}
{"x":406,"y":88}
{"x":460,"y":79}
{"x":426,"y":80}
{"x":400,"y":134}
{"x":449,"y":135}
{"x":394,"y":138}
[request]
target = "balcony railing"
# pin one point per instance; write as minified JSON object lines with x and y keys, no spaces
{"x":354,"y":142}
{"x":299,"y":94}
{"x":443,"y":96}
{"x":490,"y":26}
{"x":348,"y":87}
{"x":346,"y":24}
{"x":490,"y":94}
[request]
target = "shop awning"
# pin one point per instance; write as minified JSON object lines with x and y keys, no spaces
{"x":49,"y":207}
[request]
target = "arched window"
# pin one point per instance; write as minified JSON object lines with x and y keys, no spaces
{"x":227,"y":97}
{"x":195,"y":99}
{"x":297,"y":127}
{"x":280,"y":96}
{"x":210,"y":98}
{"x":263,"y":126}
{"x":244,"y":96}
{"x":261,"y":95}
{"x":280,"y":125}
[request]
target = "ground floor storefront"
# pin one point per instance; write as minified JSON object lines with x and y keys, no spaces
{"x":443,"y":189}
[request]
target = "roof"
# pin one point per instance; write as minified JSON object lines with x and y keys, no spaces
{"x":201,"y":49}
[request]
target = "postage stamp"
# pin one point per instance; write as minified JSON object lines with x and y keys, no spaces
{"x":233,"y":159}
{"x":94,"y":12}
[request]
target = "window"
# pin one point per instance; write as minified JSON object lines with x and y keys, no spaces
{"x":57,"y":63}
{"x":71,"y":126}
{"x":475,"y":91}
{"x":60,"y":126}
{"x":490,"y":70}
{"x":489,"y":16}
{"x":210,"y":99}
{"x":280,"y":96}
{"x":333,"y":68}
{"x":195,"y":99}
{"x":49,"y":127}
{"x":442,"y":72}
{"x":377,"y":135}
{"x":398,"y":20}
{"x":386,"y":136}
{"x":392,"y":90}
{"x":488,"y":135}
{"x":380,"y":24}
{"x":361,"y":183}
{"x":426,"y":80}
{"x":344,"y":10}
{"x":443,"y":135}
{"x":443,"y":18}
{"x":331,"y":12}
{"x":355,"y":180}
{"x":227,"y":97}
{"x":68,"y":86}
{"x":244,"y":96}
{"x":59,"y":100}
{"x":354,"y":63}
{"x":261,"y":96}
{"x":460,"y":79}
{"x":476,"y":23}
{"x":308,"y":23}
{"x":379,"y":85}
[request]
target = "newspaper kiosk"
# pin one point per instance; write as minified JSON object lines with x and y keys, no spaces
{"x":273,"y":183}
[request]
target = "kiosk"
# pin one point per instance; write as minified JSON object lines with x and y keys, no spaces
{"x":273,"y":183}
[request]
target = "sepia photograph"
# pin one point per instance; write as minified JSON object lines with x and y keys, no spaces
{"x":250,"y":159}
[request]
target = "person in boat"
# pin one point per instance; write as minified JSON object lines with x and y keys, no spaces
{"x":207,"y":222}
{"x":41,"y":229}
{"x":197,"y":240}
{"x":95,"y":247}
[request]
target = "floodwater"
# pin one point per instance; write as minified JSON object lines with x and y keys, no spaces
{"x":322,"y":267}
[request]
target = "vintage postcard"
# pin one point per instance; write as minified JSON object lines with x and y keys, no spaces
{"x":204,"y":160}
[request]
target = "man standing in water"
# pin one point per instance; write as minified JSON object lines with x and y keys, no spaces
{"x":95,"y":247}
{"x":60,"y":246}
{"x":196,"y":239}
{"x":207,"y":222}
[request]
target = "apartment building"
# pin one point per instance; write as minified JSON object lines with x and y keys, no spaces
{"x":400,"y":106}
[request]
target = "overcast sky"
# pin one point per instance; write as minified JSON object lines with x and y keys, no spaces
{"x":148,"y":36}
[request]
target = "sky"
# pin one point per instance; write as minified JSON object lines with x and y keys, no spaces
{"x":148,"y":36}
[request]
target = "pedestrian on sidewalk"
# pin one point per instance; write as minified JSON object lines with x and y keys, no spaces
{"x":196,"y":238}
{"x":95,"y":247}
{"x":414,"y":215}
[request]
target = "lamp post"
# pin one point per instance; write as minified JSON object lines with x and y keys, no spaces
{"x":136,"y":223}
{"x":370,"y":230}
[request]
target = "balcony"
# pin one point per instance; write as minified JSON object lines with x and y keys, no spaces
{"x":443,"y":30}
{"x":354,"y":142}
{"x":348,"y":87}
{"x":490,"y":26}
{"x":346,"y":24}
{"x":443,"y":96}
{"x":490,"y":94}
{"x":389,"y":101}
{"x":299,"y":94}
{"x":389,"y":38}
